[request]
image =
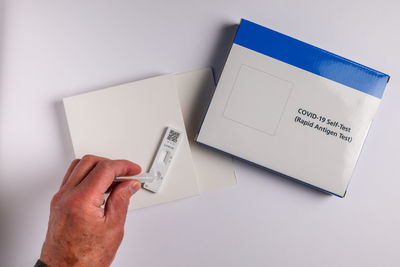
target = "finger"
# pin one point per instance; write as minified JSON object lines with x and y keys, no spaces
{"x":118,"y":201}
{"x":85,"y":165}
{"x":69,"y":171}
{"x":104,"y":173}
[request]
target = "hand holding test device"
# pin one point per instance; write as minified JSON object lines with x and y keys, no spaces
{"x":153,"y":180}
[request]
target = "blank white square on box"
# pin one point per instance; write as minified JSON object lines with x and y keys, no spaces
{"x":257,"y":99}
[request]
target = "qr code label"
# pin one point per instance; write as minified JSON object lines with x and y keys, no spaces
{"x":173,"y":136}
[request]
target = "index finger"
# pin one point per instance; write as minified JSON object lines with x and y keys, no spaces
{"x":103,"y":175}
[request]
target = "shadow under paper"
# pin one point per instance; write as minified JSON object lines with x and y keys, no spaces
{"x":222,"y":48}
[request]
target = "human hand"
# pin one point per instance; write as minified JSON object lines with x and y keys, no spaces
{"x":80,"y":231}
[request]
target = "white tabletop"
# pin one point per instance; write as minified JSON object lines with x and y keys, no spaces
{"x":53,"y":49}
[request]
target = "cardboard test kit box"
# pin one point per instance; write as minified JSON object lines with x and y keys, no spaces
{"x":292,"y":108}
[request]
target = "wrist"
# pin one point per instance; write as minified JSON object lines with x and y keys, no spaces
{"x":51,"y":257}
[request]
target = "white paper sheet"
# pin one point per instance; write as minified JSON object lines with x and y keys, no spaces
{"x":128,"y":121}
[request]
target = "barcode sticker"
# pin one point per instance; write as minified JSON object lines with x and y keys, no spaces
{"x":173,"y":136}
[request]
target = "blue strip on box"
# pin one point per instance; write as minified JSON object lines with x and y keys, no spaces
{"x":311,"y":58}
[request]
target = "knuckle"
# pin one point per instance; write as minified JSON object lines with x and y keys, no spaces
{"x":74,"y":163}
{"x":123,"y":196}
{"x":67,"y":202}
{"x":105,"y":165}
{"x":88,"y":157}
{"x":55,"y":200}
{"x":74,"y":202}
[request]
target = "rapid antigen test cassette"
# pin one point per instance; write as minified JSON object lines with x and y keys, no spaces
{"x":153,"y":179}
{"x":163,"y":159}
{"x":292,"y":108}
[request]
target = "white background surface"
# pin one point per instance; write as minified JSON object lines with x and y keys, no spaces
{"x":52,"y":49}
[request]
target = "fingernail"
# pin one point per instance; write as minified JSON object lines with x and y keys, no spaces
{"x":135,"y":186}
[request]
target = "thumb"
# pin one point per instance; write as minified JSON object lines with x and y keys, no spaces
{"x":118,"y":201}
